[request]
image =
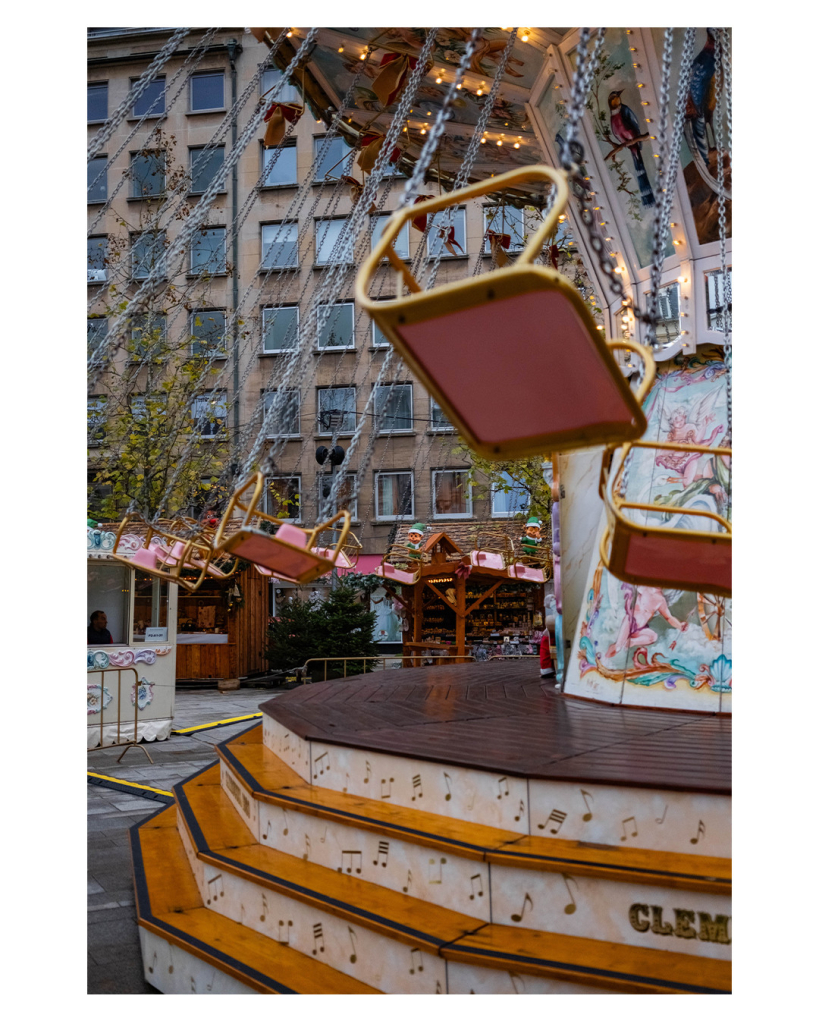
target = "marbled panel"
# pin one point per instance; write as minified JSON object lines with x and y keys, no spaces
{"x":595,"y":908}
{"x":425,"y":873}
{"x":468,"y":979}
{"x":620,"y":816}
{"x":287,"y":745}
{"x":174,"y":971}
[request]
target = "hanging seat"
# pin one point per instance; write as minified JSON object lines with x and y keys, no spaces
{"x":490,"y":555}
{"x":667,"y":556}
{"x":290,"y":552}
{"x":524,"y":324}
{"x":347,"y":557}
{"x":220,"y":566}
{"x":162,"y":552}
{"x":531,"y":568}
{"x":401,"y":565}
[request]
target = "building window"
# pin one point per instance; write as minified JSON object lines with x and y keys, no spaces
{"x":208,"y":333}
{"x":96,"y":421}
{"x":148,"y":337}
{"x":150,"y":409}
{"x":442,"y":231}
{"x":401,"y":243}
{"x":337,"y":159}
{"x":380,"y":340}
{"x":282,"y":497}
{"x":452,"y":494}
{"x":209,"y":251}
{"x":338,"y":330}
{"x":148,"y":173}
{"x":394,"y":497}
{"x":328,"y":238}
{"x":336,"y":411}
{"x":280,"y":246}
{"x":508,"y":497}
{"x":437,"y":419}
{"x":668,"y":313}
{"x":504,"y":220}
{"x":152,"y":101}
{"x":147,"y":254}
{"x":98,"y":179}
{"x":97,"y":254}
{"x":394,"y":401}
{"x":97,"y":331}
{"x":280,"y":329}
{"x":287,"y":421}
{"x":287,"y":94}
{"x":209,"y":414}
{"x":97,"y":101}
{"x":208,"y":90}
{"x":279,"y":165}
{"x":344,"y":498}
{"x":714,"y":297}
{"x":204,"y":164}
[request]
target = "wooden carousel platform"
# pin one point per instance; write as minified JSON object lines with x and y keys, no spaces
{"x":500,"y":717}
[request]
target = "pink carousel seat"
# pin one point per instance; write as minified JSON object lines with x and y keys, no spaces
{"x":390,"y":572}
{"x":530,"y":573}
{"x":283,"y":554}
{"x":487,"y":560}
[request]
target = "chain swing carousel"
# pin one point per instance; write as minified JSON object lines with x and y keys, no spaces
{"x":464,"y":830}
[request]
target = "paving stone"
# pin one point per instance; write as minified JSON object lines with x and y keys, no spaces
{"x":94,"y":887}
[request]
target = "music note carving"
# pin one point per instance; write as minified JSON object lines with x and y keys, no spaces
{"x":416,"y":965}
{"x":517,"y":984}
{"x":324,"y":837}
{"x":347,"y":857}
{"x":416,"y":784}
{"x":307,"y":848}
{"x":480,"y":886}
{"x":503,"y":782}
{"x":266,"y":833}
{"x":633,"y":820}
{"x":286,"y":828}
{"x":438,"y":989}
{"x":369,"y":771}
{"x":588,"y":815}
{"x":383,"y":851}
{"x":325,"y":766}
{"x":354,"y":954}
{"x":193,"y":984}
{"x":447,"y":782}
{"x":661,"y":820}
{"x":288,"y":925}
{"x":318,"y":939}
{"x":521,"y":811}
{"x":408,"y":886}
{"x":213,"y":888}
{"x":558,"y":817}
{"x":152,"y":964}
{"x":526,"y":899}
{"x":286,"y":743}
{"x":170,"y":959}
{"x":432,"y":866}
{"x":241,"y":913}
{"x":263,"y":914}
{"x":571,"y":906}
{"x":346,"y":782}
{"x":386,"y":784}
{"x":700,"y":833}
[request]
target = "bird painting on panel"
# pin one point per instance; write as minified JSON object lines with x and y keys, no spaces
{"x":624,"y":127}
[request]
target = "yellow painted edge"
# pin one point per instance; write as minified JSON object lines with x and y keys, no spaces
{"x":124,"y":782}
{"x":222,"y":721}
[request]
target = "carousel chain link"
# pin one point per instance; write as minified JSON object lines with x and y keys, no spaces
{"x":721,"y":90}
{"x":139,"y":87}
{"x":193,"y":59}
{"x":180,"y":244}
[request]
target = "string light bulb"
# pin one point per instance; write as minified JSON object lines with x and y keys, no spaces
{"x":525,"y":37}
{"x":682,"y":280}
{"x":479,"y":92}
{"x":363,"y":56}
{"x":517,"y":145}
{"x":459,"y":86}
{"x":289,"y":34}
{"x":439,"y":80}
{"x":341,"y":49}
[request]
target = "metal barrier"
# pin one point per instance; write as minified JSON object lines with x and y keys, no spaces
{"x":120,"y":742}
{"x":436,"y":658}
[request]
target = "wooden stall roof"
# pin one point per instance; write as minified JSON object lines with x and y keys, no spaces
{"x":499,"y":716}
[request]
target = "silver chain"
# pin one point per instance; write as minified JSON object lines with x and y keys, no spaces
{"x":139,"y":87}
{"x":721,"y":89}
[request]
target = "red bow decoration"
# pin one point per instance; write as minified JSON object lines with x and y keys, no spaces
{"x":420,"y":222}
{"x":448,"y":235}
{"x":554,"y":252}
{"x":463,"y":570}
{"x":498,"y":244}
{"x":390,"y":83}
{"x":356,"y":189}
{"x":371,"y":143}
{"x":259,"y":34}
{"x":278,"y":116}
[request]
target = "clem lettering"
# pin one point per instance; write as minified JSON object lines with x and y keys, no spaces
{"x":634,"y":912}
{"x":716,"y":930}
{"x":643,"y":917}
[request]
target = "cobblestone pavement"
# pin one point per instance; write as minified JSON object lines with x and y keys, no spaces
{"x":114,"y":959}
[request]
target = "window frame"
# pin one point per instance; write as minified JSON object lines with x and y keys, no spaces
{"x":317,"y":143}
{"x":205,"y":73}
{"x":96,"y":434}
{"x":99,"y":335}
{"x":142,"y":153}
{"x":329,"y":431}
{"x":287,"y":145}
{"x":326,"y":263}
{"x":337,"y":348}
{"x":269,"y":392}
{"x":135,"y":356}
{"x":327,"y":478}
{"x":203,"y":271}
{"x":291,"y":226}
{"x":300,"y":492}
{"x":161,"y":398}
{"x":138,"y":236}
{"x":221,"y":434}
{"x":469,"y":514}
{"x":93,"y":176}
{"x":382,"y":432}
{"x":285,"y":96}
{"x":199,"y":149}
{"x":400,"y":517}
{"x":221,"y":352}
{"x":515,"y":247}
{"x":93,"y":85}
{"x":104,"y":268}
{"x":135,"y":115}
{"x":448,"y":256}
{"x":278,"y":309}
{"x":505,"y":515}
{"x":374,"y":239}
{"x":448,"y":429}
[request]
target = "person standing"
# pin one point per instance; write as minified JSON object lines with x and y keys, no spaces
{"x":97,"y":629}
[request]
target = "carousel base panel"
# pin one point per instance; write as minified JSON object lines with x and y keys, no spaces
{"x":286,"y":868}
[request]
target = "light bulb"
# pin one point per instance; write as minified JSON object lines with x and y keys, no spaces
{"x":423,"y":131}
{"x":644,"y":103}
{"x":480,"y":92}
{"x":682,"y":280}
{"x":599,"y":328}
{"x":562,"y":217}
{"x":439,"y":80}
{"x":289,"y":34}
{"x":363,"y":56}
{"x":483,"y":141}
{"x":517,"y":145}
{"x":499,"y":142}
{"x":341,"y":49}
{"x":459,"y":86}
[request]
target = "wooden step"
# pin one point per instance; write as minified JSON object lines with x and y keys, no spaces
{"x":267,"y":778}
{"x":168,"y":904}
